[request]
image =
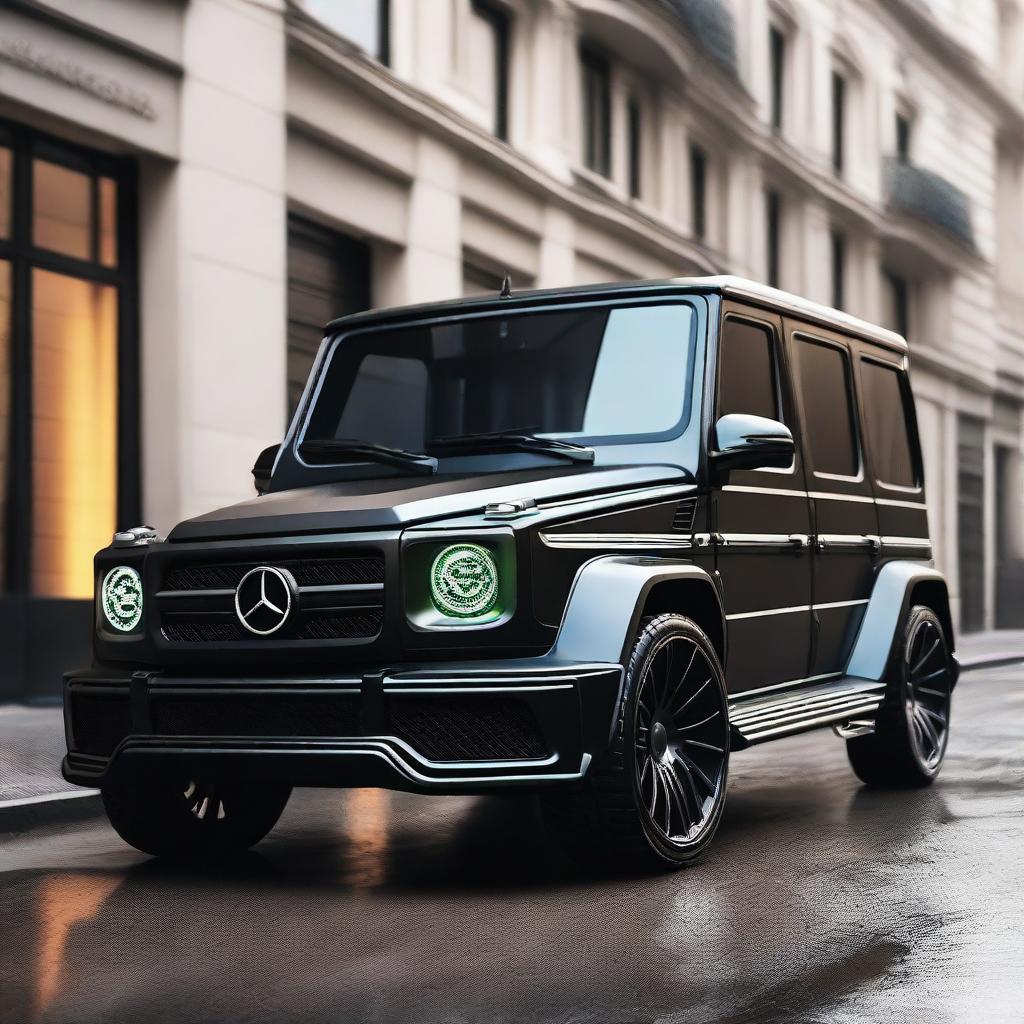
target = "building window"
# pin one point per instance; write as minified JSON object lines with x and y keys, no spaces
{"x":898,"y":296}
{"x":777,"y":65}
{"x":597,"y":112}
{"x":635,"y":126}
{"x":69,"y":433}
{"x":903,"y":138}
{"x":837,"y":252}
{"x":970,"y":508}
{"x":488,"y":56}
{"x":363,"y":22}
{"x":773,"y":217}
{"x":698,"y":192}
{"x":838,"y":121}
{"x":328,"y":277}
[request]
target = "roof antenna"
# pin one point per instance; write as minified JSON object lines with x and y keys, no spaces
{"x":506,"y":287}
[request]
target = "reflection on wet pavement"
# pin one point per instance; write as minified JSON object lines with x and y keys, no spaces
{"x":820,"y":901}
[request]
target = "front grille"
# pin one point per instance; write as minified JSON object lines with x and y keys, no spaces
{"x":468,"y":728}
{"x":341,"y":598}
{"x":99,"y":721}
{"x":308,"y":572}
{"x":216,"y":627}
{"x":271,"y":715}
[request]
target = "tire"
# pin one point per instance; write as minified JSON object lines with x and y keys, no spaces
{"x":656,"y":798}
{"x":908,"y":745}
{"x":193,"y":820}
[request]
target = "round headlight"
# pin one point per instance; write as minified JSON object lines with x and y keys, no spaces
{"x":464,"y":580}
{"x":121,"y":597}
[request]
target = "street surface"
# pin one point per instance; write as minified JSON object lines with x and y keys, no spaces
{"x":820,"y":901}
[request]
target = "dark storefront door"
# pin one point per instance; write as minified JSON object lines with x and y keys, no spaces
{"x":328,"y":277}
{"x":68,"y":396}
{"x":971,"y":521}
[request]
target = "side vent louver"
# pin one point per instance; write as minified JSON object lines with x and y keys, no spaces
{"x":682,"y":521}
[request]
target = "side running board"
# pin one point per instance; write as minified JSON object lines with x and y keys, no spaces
{"x":770,"y":716}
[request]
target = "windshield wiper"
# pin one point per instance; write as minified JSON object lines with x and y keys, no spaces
{"x":343,"y":449}
{"x":512,"y":440}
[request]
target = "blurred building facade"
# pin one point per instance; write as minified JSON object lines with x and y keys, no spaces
{"x":189,"y":189}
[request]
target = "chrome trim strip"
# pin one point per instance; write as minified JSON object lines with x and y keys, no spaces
{"x":626,"y":541}
{"x":846,"y":540}
{"x":840,"y":604}
{"x":898,"y":503}
{"x":427,"y":688}
{"x":826,"y":496}
{"x":763,"y":540}
{"x":907,"y":542}
{"x":750,"y":489}
{"x":770,"y":611}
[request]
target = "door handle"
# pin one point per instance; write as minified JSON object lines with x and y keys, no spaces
{"x":799,"y":540}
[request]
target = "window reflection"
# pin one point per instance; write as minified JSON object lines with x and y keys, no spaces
{"x":61,"y":210}
{"x":74,"y":430}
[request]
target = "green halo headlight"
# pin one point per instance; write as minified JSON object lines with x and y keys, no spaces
{"x":121,"y":597}
{"x":464,"y":581}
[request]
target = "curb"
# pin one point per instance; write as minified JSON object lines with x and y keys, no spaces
{"x":49,"y":809}
{"x":997,"y":660}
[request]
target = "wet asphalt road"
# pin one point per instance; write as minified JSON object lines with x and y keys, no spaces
{"x":820,"y":901}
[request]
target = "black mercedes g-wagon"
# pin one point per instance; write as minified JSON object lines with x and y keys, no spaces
{"x":589,"y":542}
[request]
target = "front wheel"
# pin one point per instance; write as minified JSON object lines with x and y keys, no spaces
{"x":908,"y":745}
{"x":657,"y":798}
{"x":193,"y":819}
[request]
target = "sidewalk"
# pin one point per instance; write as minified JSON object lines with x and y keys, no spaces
{"x":32,"y":738}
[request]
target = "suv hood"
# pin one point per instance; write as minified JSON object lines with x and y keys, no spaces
{"x":394,"y":502}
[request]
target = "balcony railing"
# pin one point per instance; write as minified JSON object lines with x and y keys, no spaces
{"x":710,"y":24}
{"x":929,"y":197}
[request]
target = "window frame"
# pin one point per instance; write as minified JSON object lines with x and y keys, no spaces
{"x":19,"y":250}
{"x":852,"y":395}
{"x":909,"y":419}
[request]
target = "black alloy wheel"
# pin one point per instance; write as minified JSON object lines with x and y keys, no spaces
{"x":656,"y":798}
{"x":911,"y":733}
{"x":193,"y":819}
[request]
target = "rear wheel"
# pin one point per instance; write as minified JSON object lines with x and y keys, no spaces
{"x":657,"y":798}
{"x":193,"y":819}
{"x":912,"y":727}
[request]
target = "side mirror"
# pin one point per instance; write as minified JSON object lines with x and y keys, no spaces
{"x":751,"y":442}
{"x":263,"y":468}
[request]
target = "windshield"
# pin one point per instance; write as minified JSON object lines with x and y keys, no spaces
{"x":609,"y":374}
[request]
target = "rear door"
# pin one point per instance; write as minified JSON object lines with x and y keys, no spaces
{"x":845,"y":527}
{"x":895,"y":456}
{"x":761,"y":517}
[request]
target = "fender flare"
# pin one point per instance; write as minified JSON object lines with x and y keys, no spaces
{"x":886,"y":610}
{"x":606,"y":602}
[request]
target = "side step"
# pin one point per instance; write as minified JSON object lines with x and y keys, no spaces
{"x":770,"y":716}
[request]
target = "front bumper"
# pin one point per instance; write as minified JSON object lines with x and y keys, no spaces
{"x":452,"y":728}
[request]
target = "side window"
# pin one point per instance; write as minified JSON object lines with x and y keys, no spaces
{"x":747,"y":380}
{"x":886,"y":413}
{"x":826,"y":391}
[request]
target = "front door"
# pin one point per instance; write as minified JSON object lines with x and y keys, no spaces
{"x":761,"y":517}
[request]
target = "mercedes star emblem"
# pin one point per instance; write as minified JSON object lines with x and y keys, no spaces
{"x":263,"y":599}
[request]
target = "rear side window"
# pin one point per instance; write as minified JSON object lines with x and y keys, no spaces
{"x":824,"y":374}
{"x":886,"y":413}
{"x":747,"y":381}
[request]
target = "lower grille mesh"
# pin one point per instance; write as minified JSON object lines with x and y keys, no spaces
{"x":185,"y":627}
{"x":99,"y":721}
{"x":468,"y":728}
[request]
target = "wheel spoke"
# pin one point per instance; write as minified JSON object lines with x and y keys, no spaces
{"x":705,"y":746}
{"x":932,"y":675}
{"x":924,"y":659}
{"x":695,"y":725}
{"x":694,"y":768}
{"x":930,"y":691}
{"x":698,"y":803}
{"x":682,"y":679}
{"x":929,"y":729}
{"x":932,"y":714}
{"x":678,"y":797}
{"x":693,"y":696}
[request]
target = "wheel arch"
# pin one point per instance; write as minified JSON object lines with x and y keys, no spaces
{"x":612,"y":593}
{"x":897,"y":588}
